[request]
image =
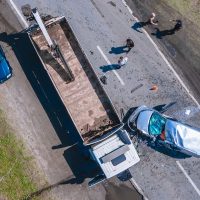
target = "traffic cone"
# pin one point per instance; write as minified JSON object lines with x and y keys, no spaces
{"x":154,"y":88}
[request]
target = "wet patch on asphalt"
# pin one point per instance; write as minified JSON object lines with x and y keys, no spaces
{"x":114,"y":192}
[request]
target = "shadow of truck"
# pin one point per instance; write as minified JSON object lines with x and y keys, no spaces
{"x":75,"y":156}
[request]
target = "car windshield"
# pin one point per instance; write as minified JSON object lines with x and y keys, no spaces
{"x":156,"y":124}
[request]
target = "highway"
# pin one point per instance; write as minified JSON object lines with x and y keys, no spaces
{"x":102,"y":27}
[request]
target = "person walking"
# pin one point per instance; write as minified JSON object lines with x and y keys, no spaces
{"x":129,"y":44}
{"x":152,"y":19}
{"x":122,"y":61}
{"x":178,"y":24}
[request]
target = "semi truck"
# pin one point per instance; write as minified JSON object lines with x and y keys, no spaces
{"x":83,"y":96}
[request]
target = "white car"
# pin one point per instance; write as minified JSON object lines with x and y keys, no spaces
{"x":167,"y":131}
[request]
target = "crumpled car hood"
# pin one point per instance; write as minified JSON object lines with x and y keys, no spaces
{"x":183,"y":136}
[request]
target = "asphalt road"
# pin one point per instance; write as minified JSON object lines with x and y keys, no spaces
{"x":183,"y":47}
{"x":40,"y":121}
{"x":101,"y":25}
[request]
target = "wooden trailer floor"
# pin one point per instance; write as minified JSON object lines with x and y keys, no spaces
{"x":84,"y":98}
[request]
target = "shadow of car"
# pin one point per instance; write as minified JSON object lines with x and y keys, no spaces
{"x":5,"y":68}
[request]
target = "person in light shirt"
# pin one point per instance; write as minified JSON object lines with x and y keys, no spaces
{"x":122,"y":61}
{"x":152,"y":19}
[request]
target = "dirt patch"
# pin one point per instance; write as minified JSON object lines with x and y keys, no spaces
{"x":190,"y":9}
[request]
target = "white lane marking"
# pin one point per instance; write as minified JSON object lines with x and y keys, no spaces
{"x":138,"y":188}
{"x":163,"y":57}
{"x":129,"y":9}
{"x":19,"y":14}
{"x":109,"y":63}
{"x":188,"y":177}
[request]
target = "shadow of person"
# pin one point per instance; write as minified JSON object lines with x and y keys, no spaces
{"x":139,"y":25}
{"x":118,"y":50}
{"x":159,"y":34}
{"x":107,"y":68}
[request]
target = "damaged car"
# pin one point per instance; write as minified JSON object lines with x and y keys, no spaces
{"x":165,"y":130}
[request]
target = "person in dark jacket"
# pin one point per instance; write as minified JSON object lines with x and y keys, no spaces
{"x":129,"y":44}
{"x":178,"y":24}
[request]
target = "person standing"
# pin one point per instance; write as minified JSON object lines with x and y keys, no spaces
{"x":122,"y":61}
{"x":129,"y":44}
{"x":152,"y":19}
{"x":178,"y":24}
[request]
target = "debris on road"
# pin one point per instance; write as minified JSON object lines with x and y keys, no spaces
{"x":154,"y":88}
{"x":137,"y":87}
{"x":103,"y":79}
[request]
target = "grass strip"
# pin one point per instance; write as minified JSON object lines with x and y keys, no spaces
{"x":14,"y":180}
{"x":189,"y":9}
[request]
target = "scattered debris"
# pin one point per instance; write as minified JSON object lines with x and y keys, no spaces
{"x":187,"y":112}
{"x":154,"y":88}
{"x":137,"y":87}
{"x":103,"y":80}
{"x":112,"y":3}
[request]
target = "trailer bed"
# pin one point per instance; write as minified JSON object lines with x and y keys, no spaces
{"x":84,"y":98}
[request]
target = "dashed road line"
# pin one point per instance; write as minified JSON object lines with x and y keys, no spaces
{"x":163,"y":56}
{"x":25,"y":24}
{"x":188,"y":177}
{"x":109,"y":63}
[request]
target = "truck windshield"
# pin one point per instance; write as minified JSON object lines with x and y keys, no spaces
{"x":156,"y":124}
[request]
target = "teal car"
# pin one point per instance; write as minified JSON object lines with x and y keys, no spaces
{"x":5,"y":68}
